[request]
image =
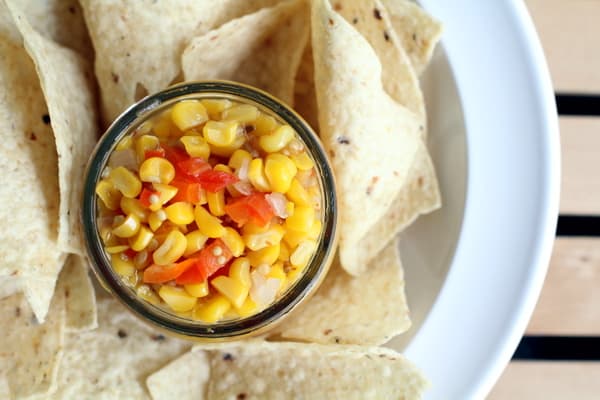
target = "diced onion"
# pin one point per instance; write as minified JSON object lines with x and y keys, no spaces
{"x":263,"y":290}
{"x":244,"y":187}
{"x":277,"y":201}
{"x":242,"y":172}
{"x":124,"y":158}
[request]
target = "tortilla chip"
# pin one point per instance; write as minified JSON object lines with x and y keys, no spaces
{"x":264,"y":370}
{"x":138,"y":44}
{"x":114,"y":360}
{"x":371,"y":139}
{"x":30,"y":198}
{"x":261,"y":49}
{"x":418,"y":31}
{"x":366,"y":310}
{"x":190,"y":371}
{"x":80,"y":295}
{"x":9,"y":285}
{"x":30,"y":352}
{"x":371,"y":20}
{"x":68,"y":87}
{"x":305,"y":97}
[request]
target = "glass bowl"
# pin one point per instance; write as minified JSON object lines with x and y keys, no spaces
{"x":305,"y":284}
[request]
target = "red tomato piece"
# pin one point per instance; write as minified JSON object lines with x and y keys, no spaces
{"x":190,"y":276}
{"x":174,"y":154}
{"x":190,"y":192}
{"x":164,"y":273}
{"x":145,"y":197}
{"x":194,"y":166}
{"x":213,"y":181}
{"x":160,"y":152}
{"x":254,"y":207}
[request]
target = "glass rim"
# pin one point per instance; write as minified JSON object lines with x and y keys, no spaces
{"x":305,"y":285}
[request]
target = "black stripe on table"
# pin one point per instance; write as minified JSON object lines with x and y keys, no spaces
{"x":578,"y":225}
{"x":578,"y":104}
{"x":558,"y":348}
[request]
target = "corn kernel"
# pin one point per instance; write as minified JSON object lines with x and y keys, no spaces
{"x":266,"y":255}
{"x":303,"y":253}
{"x":156,"y":218}
{"x":146,"y":293}
{"x":216,"y":202}
{"x":122,"y":264}
{"x":270,"y":237}
{"x":251,"y":227}
{"x":239,"y":158}
{"x":240,"y":271}
{"x":165,"y":127}
{"x":257,"y":177}
{"x":119,"y":248}
{"x":289,"y":208}
{"x":196,"y":146}
{"x":315,"y":230}
{"x":133,"y":206}
{"x":243,"y":113}
{"x":298,"y":194}
{"x":124,"y":144}
{"x":248,"y":308}
{"x":232,"y":289}
{"x":212,"y":310}
{"x":280,"y":170}
{"x":233,"y":241}
{"x":188,"y":114}
{"x":223,"y":168}
{"x":195,"y":241}
{"x":165,"y":193}
{"x":292,"y":238}
{"x":144,"y":128}
{"x":180,"y":213}
{"x":220,"y":134}
{"x":125,"y":182}
{"x":171,"y":249}
{"x":197,"y":289}
{"x":141,"y":260}
{"x":277,"y":140}
{"x":207,"y":223}
{"x":177,"y":298}
{"x":264,"y":125}
{"x":284,"y":252}
{"x":215,"y":107}
{"x":277,"y":272}
{"x":302,"y":219}
{"x":142,"y":239}
{"x":303,"y":161}
{"x":145,"y":143}
{"x":157,"y":170}
{"x":128,"y":227}
{"x":109,"y":195}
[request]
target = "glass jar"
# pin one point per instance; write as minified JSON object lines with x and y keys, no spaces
{"x":305,"y":285}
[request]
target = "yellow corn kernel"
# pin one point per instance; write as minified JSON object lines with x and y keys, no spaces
{"x":270,"y":237}
{"x":215,"y":107}
{"x":216,"y":202}
{"x":266,"y":255}
{"x":196,"y":146}
{"x":315,"y":230}
{"x":240,"y":271}
{"x":257,"y":177}
{"x":177,"y":298}
{"x":284,"y":252}
{"x":292,"y":238}
{"x":251,"y":227}
{"x":277,"y":272}
{"x":227,"y":151}
{"x":156,"y":218}
{"x":157,"y":170}
{"x":165,"y":127}
{"x":220,"y":134}
{"x":212,"y":310}
{"x":233,"y":290}
{"x":239,"y":158}
{"x":141,"y":260}
{"x":133,"y":206}
{"x":124,"y":143}
{"x":302,"y":219}
{"x":277,"y":140}
{"x":165,"y":193}
{"x":188,"y":113}
{"x":207,"y":223}
{"x":145,"y":143}
{"x":298,"y":194}
{"x":144,"y":128}
{"x":180,"y":213}
{"x":197,"y":289}
{"x":146,"y":293}
{"x":280,"y":170}
{"x":126,"y":227}
{"x":303,"y":253}
{"x":119,"y":248}
{"x":289,"y":208}
{"x":248,"y":308}
{"x":303,"y":161}
{"x":122,"y":264}
{"x":242,"y":113}
{"x":125,"y":182}
{"x":223,"y":168}
{"x":233,"y":241}
{"x":264,"y":125}
{"x":109,"y":195}
{"x":142,"y":239}
{"x":195,"y":241}
{"x":171,"y":249}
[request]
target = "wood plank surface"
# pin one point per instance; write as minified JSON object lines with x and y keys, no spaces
{"x":570,"y":32}
{"x":548,"y":381}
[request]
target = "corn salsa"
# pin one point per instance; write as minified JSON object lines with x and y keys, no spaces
{"x":211,"y":209}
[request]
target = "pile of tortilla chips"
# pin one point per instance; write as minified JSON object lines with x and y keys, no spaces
{"x":350,"y":67}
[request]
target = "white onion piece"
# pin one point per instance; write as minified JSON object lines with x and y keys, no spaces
{"x":263,"y":290}
{"x":244,"y":187}
{"x":277,"y":201}
{"x":124,"y":158}
{"x":242,"y":172}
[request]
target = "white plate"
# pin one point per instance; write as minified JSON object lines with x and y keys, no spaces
{"x":475,"y":268}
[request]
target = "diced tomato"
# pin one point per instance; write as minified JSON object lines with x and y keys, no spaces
{"x":190,"y":192}
{"x":160,"y":152}
{"x":130,"y":253}
{"x":254,"y":207}
{"x":145,"y":197}
{"x":164,"y":273}
{"x":174,"y":154}
{"x":194,"y":166}
{"x":191,"y":275}
{"x":213,"y":181}
{"x":207,"y":263}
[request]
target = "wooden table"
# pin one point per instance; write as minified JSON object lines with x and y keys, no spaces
{"x":559,"y":356}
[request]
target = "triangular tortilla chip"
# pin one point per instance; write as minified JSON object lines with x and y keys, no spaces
{"x":68,"y":87}
{"x":418,"y":31}
{"x":305,"y":97}
{"x":262,"y":49}
{"x":80,"y":303}
{"x":190,"y":371}
{"x":371,"y":139}
{"x":366,"y":310}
